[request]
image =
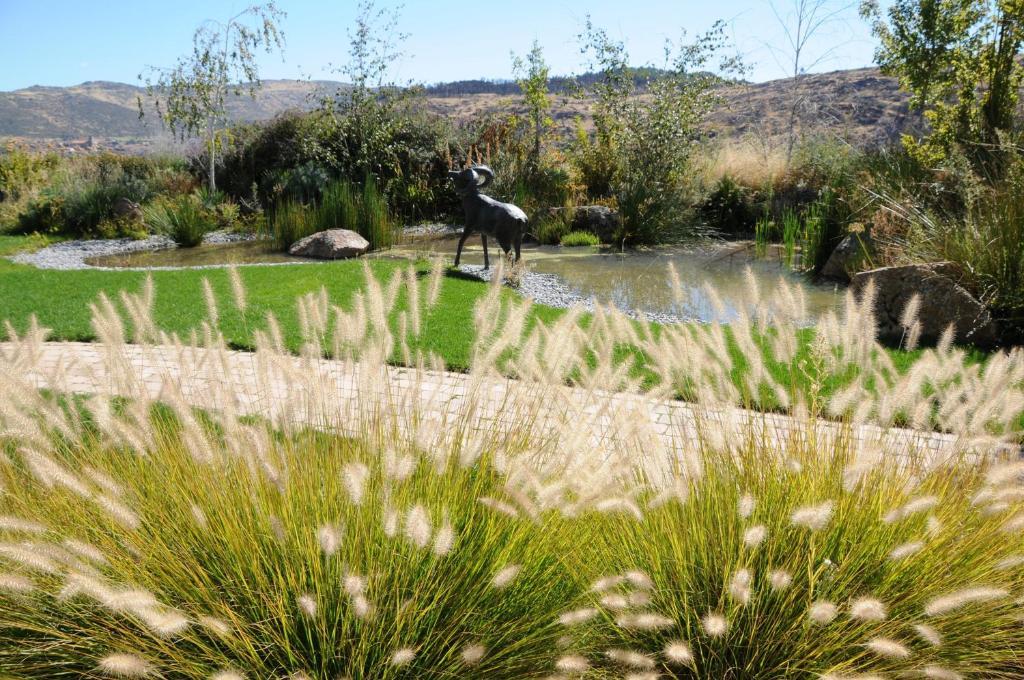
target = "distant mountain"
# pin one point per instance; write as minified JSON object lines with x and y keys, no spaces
{"x":860,"y":105}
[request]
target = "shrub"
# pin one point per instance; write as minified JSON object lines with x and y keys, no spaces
{"x":580,"y":238}
{"x":184,"y":219}
{"x":343,"y":205}
{"x":728,"y":208}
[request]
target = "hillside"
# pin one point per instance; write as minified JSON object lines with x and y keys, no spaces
{"x":859,"y":105}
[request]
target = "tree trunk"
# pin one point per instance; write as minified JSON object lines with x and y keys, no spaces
{"x":213,"y":161}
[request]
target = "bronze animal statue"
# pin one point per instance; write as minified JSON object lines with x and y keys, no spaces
{"x":503,"y":221}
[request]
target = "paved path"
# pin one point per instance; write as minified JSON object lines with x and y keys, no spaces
{"x":337,"y":394}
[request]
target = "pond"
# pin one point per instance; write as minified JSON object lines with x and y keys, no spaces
{"x":636,"y":280}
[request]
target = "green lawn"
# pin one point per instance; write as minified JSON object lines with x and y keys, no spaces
{"x":60,"y":300}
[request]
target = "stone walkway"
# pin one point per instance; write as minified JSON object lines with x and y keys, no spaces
{"x":335,"y":394}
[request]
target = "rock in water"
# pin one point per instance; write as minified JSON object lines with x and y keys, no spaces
{"x":943,"y":301}
{"x":333,"y":244}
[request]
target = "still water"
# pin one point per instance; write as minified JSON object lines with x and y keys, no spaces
{"x":632,"y":280}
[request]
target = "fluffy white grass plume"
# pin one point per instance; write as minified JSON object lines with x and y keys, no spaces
{"x":630,"y":657}
{"x":754,"y":536}
{"x":615,"y":601}
{"x":505,"y":576}
{"x":403,"y":656}
{"x":472,"y":654}
{"x":607,"y":583}
{"x":780,"y":580}
{"x":237,"y":289}
{"x":501,"y":506}
{"x":215,"y":625}
{"x":739,"y":587}
{"x":576,"y":616}
{"x":679,"y":653}
{"x":15,"y":584}
{"x":28,"y":556}
{"x":905,"y":550}
{"x":444,"y":539}
{"x":417,"y":526}
{"x":961,"y":598}
{"x":822,"y":612}
{"x":355,"y":476}
{"x":746,"y":506}
{"x":868,"y":609}
{"x":572,"y":663}
{"x":18,"y":525}
{"x":643,"y":675}
{"x":329,"y":537}
{"x":125,"y":666}
{"x":227,"y":675}
{"x":639,"y":579}
{"x":940,"y":673}
{"x":307,"y":604}
{"x":813,"y":517}
{"x":911,"y":508}
{"x":928,"y":634}
{"x":211,"y":302}
{"x":644,"y":621}
{"x":714,"y":624}
{"x":889,"y":648}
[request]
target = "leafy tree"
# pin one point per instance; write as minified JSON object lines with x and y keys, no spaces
{"x":959,"y":61}
{"x":651,"y":137}
{"x":532,"y":79}
{"x":191,"y":97}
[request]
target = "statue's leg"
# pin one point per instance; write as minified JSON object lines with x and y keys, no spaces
{"x":487,"y":261}
{"x":519,"y":244}
{"x":462,"y":242}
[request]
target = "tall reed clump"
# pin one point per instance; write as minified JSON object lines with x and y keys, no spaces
{"x":215,"y":514}
{"x":342,"y":205}
{"x":184,"y":219}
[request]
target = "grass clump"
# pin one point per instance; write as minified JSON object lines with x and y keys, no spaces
{"x":580,"y":238}
{"x":342,"y":205}
{"x":184,"y":219}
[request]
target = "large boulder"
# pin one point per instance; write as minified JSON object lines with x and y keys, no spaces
{"x":942,"y":302}
{"x":333,"y":244}
{"x":127,"y":209}
{"x":847,"y":257}
{"x":599,"y":220}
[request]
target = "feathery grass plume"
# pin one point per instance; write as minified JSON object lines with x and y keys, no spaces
{"x":911,"y":508}
{"x":739,"y":587}
{"x":639,"y":579}
{"x":679,"y":653}
{"x":505,"y":576}
{"x":630,"y":657}
{"x":868,"y":609}
{"x":905,"y":550}
{"x":576,"y":616}
{"x":15,"y":584}
{"x":754,"y":536}
{"x":211,"y":303}
{"x":822,"y":612}
{"x":813,"y":517}
{"x":950,"y":602}
{"x":1011,"y":562}
{"x":644,"y":621}
{"x":329,"y":538}
{"x":417,"y":526}
{"x":715,"y":625}
{"x":472,"y":654}
{"x":28,"y":555}
{"x":780,"y":580}
{"x":444,"y":539}
{"x":928,"y":634}
{"x":940,"y":673}
{"x":125,"y":666}
{"x":237,"y":289}
{"x":434,"y":287}
{"x":215,"y":625}
{"x":403,"y":656}
{"x":21,"y":526}
{"x":615,"y":601}
{"x":227,"y":675}
{"x":307,"y":604}
{"x":572,"y":663}
{"x":888,"y":648}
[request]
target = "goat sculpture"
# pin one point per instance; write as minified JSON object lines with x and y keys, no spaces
{"x":503,"y":221}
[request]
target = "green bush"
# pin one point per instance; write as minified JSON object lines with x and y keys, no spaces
{"x":728,"y":208}
{"x":343,"y":205}
{"x":184,"y":219}
{"x":580,"y":238}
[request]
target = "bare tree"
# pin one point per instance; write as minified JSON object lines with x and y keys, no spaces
{"x":802,"y":21}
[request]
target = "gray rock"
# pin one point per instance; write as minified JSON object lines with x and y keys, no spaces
{"x":599,"y":220}
{"x":845,"y":259}
{"x":333,"y":244}
{"x":943,"y":301}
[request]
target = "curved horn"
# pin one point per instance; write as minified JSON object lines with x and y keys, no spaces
{"x":487,"y":173}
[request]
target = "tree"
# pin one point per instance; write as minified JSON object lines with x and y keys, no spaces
{"x":959,"y":61}
{"x":651,"y":137}
{"x":191,"y":97}
{"x":532,"y":79}
{"x":804,"y":20}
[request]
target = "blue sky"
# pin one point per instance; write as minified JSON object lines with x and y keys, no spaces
{"x":64,"y":42}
